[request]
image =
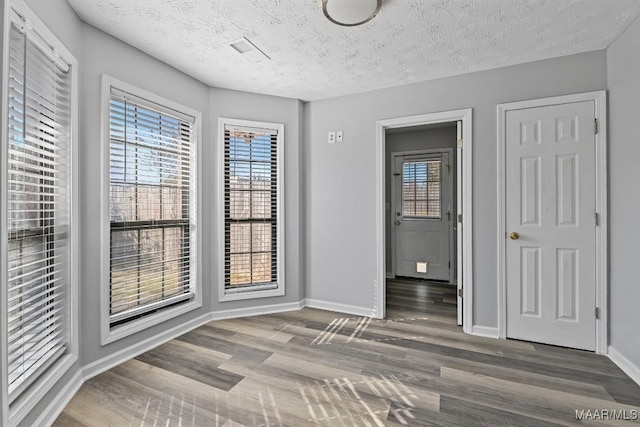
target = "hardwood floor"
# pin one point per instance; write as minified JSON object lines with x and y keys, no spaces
{"x":313,"y":367}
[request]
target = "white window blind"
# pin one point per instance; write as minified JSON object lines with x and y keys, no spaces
{"x":251,"y":209}
{"x":152,"y":206}
{"x":421,"y":192}
{"x":39,"y":196}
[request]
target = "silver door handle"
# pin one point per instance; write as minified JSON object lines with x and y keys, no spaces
{"x":398,"y":222}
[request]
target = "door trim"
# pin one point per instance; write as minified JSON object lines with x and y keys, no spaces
{"x":426,"y":152}
{"x":465,"y":188}
{"x":600,"y":101}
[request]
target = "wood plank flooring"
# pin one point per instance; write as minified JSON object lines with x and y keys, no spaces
{"x":313,"y":367}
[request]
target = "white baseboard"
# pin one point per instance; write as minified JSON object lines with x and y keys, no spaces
{"x":625,"y":364}
{"x":340,"y":308}
{"x":256,"y":311}
{"x":55,"y":407}
{"x":108,"y":362}
{"x":485,"y":331}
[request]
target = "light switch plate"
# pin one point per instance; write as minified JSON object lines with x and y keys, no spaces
{"x":332,"y":138}
{"x":339,"y":136}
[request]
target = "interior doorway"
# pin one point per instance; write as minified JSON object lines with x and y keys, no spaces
{"x":451,"y":210}
{"x":420,"y":222}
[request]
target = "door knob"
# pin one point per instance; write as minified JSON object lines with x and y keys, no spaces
{"x":514,"y":236}
{"x":398,"y":222}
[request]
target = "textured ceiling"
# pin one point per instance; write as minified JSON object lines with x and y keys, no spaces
{"x":311,"y":58}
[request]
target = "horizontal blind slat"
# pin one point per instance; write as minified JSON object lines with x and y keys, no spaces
{"x":40,"y":342}
{"x":27,"y":334}
{"x":34,"y":327}
{"x":40,"y":296}
{"x":33,"y":317}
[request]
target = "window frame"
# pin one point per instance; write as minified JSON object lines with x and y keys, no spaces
{"x":279,"y":290}
{"x":436,"y":157}
{"x":110,"y":334}
{"x":12,"y":413}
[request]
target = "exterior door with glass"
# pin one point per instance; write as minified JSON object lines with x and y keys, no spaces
{"x":422,"y":216}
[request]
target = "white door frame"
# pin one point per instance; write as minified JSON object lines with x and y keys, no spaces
{"x":465,"y":188}
{"x":600,"y":101}
{"x":392,"y":207}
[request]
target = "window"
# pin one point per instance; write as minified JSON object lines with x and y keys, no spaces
{"x":252,"y":177}
{"x":421,"y":189}
{"x":152,"y":205}
{"x":38,"y":268}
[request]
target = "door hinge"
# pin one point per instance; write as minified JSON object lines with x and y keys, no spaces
{"x":597,"y":313}
{"x":460,"y":293}
{"x":595,"y":126}
{"x":460,"y":143}
{"x":449,"y":264}
{"x":459,"y":217}
{"x":597,"y":219}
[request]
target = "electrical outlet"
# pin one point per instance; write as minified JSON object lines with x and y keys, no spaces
{"x":332,"y":138}
{"x":339,"y":136}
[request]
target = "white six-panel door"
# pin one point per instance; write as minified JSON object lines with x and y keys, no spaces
{"x":550,"y":224}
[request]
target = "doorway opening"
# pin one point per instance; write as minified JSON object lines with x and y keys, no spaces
{"x":424,"y":213}
{"x":420,"y":223}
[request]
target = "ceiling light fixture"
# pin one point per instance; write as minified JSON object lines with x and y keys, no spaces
{"x":350,"y":13}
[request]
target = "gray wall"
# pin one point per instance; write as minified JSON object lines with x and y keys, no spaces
{"x":248,"y":106}
{"x":623,"y":60}
{"x":100,"y":53}
{"x":105,"y":54}
{"x":340,"y":187}
{"x":409,"y":140}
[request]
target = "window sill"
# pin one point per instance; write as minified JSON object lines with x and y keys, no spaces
{"x":237,"y":296}
{"x":145,"y":322}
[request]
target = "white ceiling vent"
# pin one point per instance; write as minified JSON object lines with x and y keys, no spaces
{"x":248,"y":50}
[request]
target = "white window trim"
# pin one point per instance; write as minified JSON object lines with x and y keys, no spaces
{"x":108,"y":334}
{"x":13,"y":414}
{"x":249,"y":294}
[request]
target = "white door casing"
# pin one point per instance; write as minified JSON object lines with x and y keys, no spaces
{"x":464,"y":189}
{"x":551,"y":196}
{"x":458,"y":222}
{"x":423,"y":229}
